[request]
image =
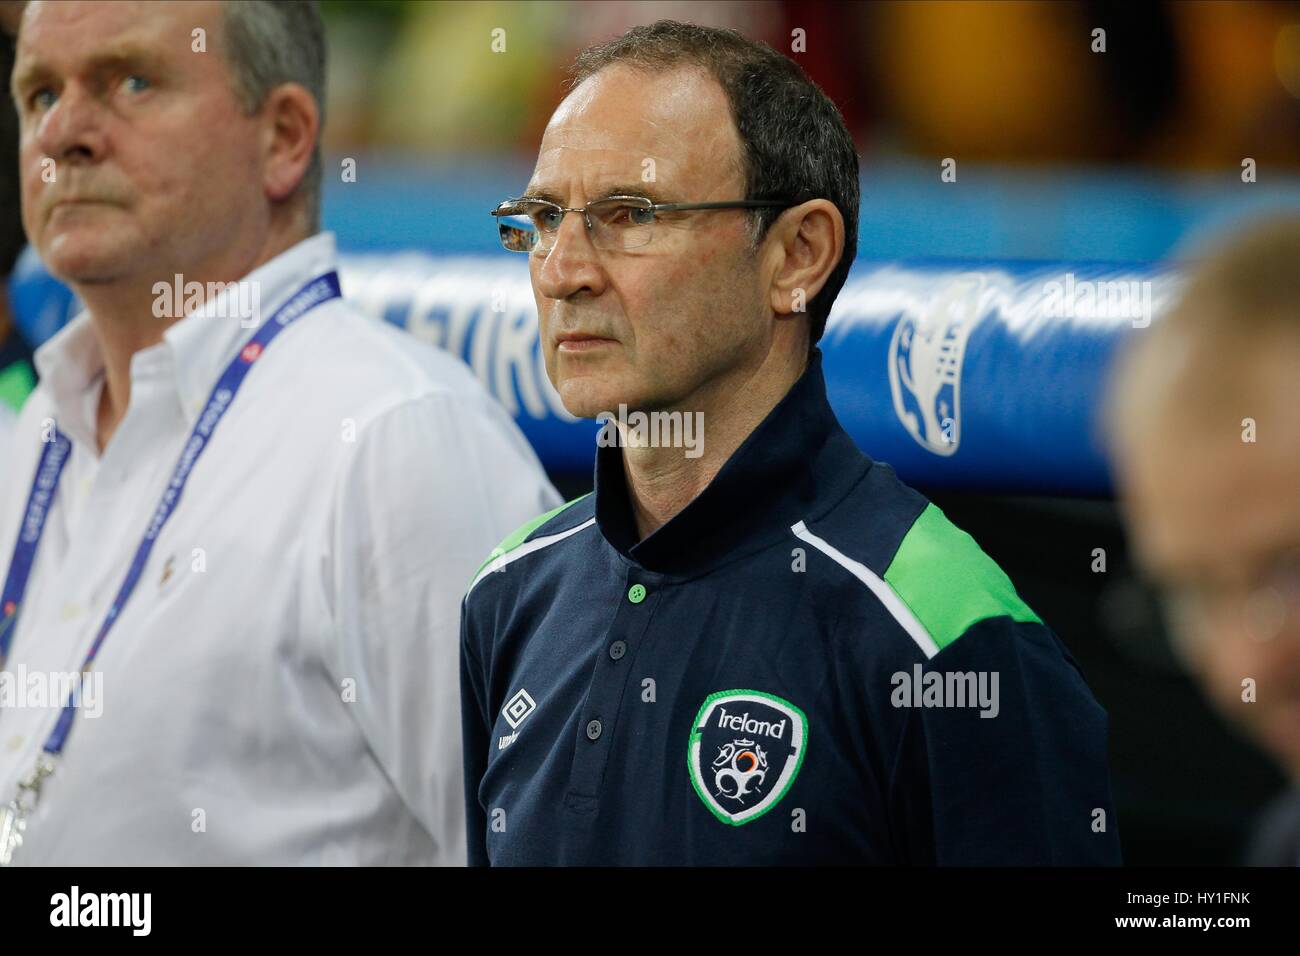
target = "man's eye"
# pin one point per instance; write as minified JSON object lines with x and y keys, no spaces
{"x":1285,"y":578}
{"x":629,"y":214}
{"x":136,"y":83}
{"x":549,"y":219}
{"x":42,"y":99}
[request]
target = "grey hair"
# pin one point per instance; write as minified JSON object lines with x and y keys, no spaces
{"x":268,"y":43}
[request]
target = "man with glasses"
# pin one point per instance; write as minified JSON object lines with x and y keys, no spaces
{"x":761,"y":648}
{"x":1207,"y":441}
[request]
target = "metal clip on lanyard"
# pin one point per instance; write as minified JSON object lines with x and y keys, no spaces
{"x":14,"y":814}
{"x":13,"y":818}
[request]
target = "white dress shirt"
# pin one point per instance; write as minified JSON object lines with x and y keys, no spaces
{"x":7,"y":422}
{"x":282,"y":688}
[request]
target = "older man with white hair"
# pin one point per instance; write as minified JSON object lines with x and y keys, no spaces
{"x":242,"y":515}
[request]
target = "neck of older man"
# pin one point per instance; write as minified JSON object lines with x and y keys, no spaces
{"x":122,"y":316}
{"x":662,"y":480}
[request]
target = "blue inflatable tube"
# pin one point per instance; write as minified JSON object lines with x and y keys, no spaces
{"x":980,"y":376}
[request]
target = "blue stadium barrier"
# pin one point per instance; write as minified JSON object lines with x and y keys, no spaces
{"x":979,"y":376}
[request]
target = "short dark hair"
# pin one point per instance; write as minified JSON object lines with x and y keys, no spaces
{"x":794,"y":144}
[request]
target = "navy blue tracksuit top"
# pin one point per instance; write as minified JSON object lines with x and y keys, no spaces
{"x":809,"y":664}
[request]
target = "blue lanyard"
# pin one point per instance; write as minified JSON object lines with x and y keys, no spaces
{"x":55,"y":456}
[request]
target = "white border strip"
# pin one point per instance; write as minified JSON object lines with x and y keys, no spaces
{"x":879,"y":587}
{"x":499,"y":564}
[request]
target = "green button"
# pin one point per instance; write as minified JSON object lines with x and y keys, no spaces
{"x":636,"y":593}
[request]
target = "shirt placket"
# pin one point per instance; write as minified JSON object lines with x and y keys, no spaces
{"x":112,"y":517}
{"x":598,"y":719}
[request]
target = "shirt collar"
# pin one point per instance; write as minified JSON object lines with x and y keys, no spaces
{"x":197,"y":348}
{"x":795,"y":465}
{"x":70,"y":363}
{"x":203,"y":345}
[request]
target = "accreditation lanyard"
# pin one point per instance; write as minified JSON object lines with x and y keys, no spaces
{"x":55,"y":456}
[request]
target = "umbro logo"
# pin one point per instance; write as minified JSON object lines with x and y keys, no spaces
{"x":516,"y":710}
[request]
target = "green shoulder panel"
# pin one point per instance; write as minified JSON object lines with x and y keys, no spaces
{"x":948,"y":582}
{"x":520,"y":534}
{"x":16,"y":383}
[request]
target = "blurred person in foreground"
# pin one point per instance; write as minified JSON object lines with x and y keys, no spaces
{"x":1205,"y":431}
{"x":246,"y":510}
{"x":752,"y":644}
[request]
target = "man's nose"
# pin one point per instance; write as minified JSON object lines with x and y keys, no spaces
{"x":572,"y":265}
{"x":72,"y":129}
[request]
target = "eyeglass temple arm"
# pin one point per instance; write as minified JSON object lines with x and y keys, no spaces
{"x":683,"y":206}
{"x":724,"y":204}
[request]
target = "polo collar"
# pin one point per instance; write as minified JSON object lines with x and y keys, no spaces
{"x":797,"y":463}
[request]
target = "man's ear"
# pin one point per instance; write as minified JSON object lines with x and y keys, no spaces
{"x":807,"y":242}
{"x":291,"y":126}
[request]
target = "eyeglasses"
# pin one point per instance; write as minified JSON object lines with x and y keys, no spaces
{"x":614,"y":224}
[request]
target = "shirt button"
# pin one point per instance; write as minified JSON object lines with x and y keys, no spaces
{"x":617,"y":650}
{"x":636,"y":593}
{"x":593,"y":730}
